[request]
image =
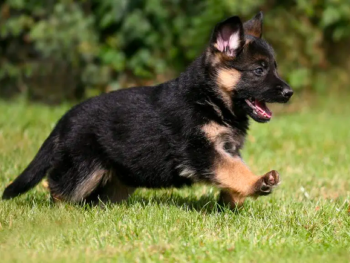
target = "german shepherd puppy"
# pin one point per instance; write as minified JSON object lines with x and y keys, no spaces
{"x":188,"y":130}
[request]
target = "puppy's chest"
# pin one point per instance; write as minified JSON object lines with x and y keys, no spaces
{"x":224,"y":139}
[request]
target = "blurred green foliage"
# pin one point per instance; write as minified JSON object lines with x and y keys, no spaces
{"x":59,"y":49}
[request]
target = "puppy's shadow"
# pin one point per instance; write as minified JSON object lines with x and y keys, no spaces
{"x":206,"y":204}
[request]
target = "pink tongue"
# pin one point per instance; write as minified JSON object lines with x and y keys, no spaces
{"x":263,"y":109}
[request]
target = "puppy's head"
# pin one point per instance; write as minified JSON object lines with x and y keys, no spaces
{"x":244,"y":68}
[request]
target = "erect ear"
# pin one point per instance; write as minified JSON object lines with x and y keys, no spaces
{"x":253,"y":26}
{"x":228,"y":36}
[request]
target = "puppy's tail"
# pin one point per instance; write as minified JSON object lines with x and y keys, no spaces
{"x":35,"y":171}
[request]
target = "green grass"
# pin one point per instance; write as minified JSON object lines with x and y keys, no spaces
{"x":305,"y":220}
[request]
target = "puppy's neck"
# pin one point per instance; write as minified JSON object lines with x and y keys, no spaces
{"x":200,"y":88}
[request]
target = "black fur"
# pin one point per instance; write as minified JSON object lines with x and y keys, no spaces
{"x":148,"y":136}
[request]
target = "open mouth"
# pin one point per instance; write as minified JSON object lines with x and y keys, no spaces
{"x":259,"y":108}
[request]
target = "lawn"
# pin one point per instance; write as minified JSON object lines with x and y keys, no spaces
{"x":306,"y":219}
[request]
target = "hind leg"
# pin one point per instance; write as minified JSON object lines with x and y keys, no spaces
{"x":89,"y":181}
{"x":73,"y":181}
{"x":113,"y":190}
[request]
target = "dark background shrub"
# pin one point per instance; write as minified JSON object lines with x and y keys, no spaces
{"x":65,"y":50}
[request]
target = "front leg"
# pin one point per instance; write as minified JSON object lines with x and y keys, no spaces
{"x":238,"y":182}
{"x":229,"y":171}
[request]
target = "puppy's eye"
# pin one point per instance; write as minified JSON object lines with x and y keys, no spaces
{"x":258,"y":71}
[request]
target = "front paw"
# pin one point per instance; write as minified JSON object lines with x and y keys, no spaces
{"x":230,"y":199}
{"x":267,"y":182}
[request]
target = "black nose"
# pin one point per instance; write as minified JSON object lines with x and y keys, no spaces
{"x":287,"y":92}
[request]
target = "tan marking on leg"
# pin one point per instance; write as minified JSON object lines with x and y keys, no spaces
{"x":115,"y":191}
{"x":57,"y":198}
{"x":253,"y":186}
{"x":229,"y":198}
{"x":45,"y":184}
{"x":89,"y":185}
{"x":232,"y":174}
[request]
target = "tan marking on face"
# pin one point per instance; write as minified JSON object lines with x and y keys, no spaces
{"x":217,"y":57}
{"x":212,"y":58}
{"x":258,"y":57}
{"x":228,"y":79}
